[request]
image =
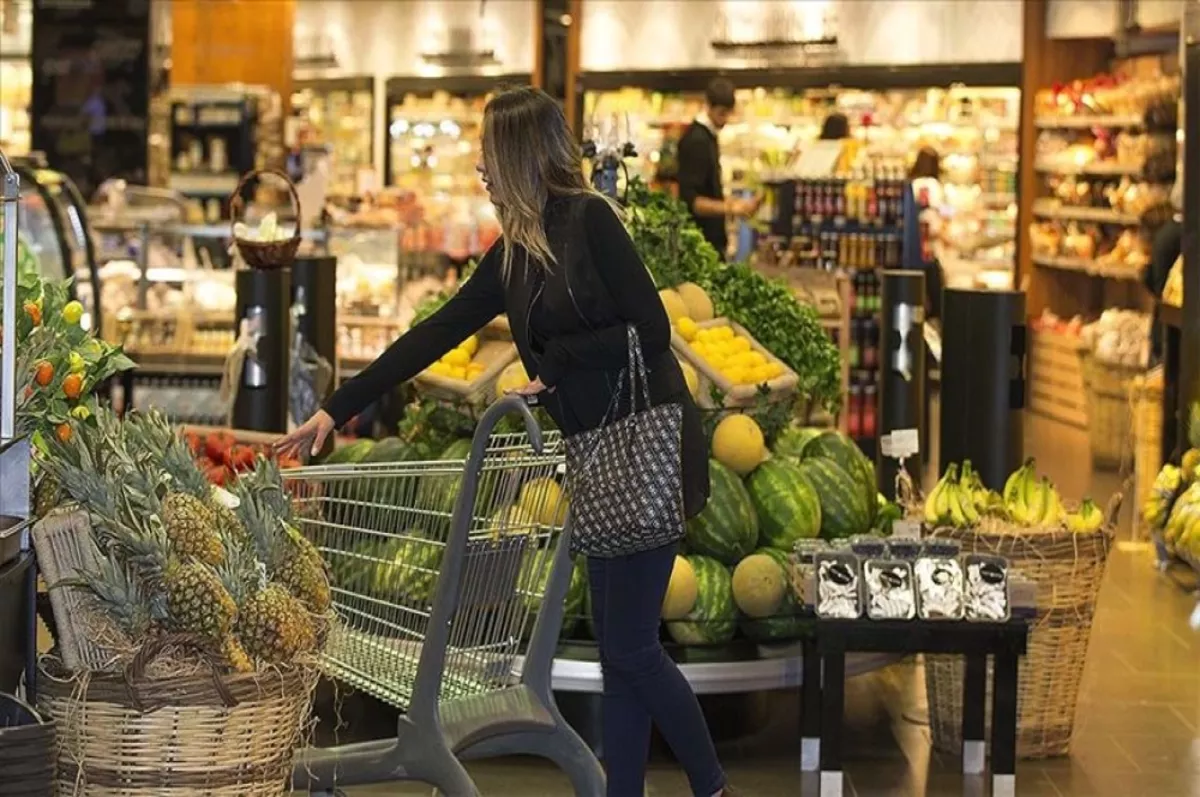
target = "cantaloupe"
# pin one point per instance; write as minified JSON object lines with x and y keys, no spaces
{"x":692,"y":378}
{"x":738,"y":444}
{"x":511,"y":520}
{"x":699,"y":306}
{"x":682,"y":591}
{"x":673,"y":304}
{"x":758,"y":586}
{"x":511,"y":378}
{"x":544,"y":501}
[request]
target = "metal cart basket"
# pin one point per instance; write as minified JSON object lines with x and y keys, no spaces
{"x":449,"y":584}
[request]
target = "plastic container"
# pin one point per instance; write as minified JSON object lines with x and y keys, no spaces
{"x":940,"y":581}
{"x":987,"y":599}
{"x":839,"y":586}
{"x":890,"y":590}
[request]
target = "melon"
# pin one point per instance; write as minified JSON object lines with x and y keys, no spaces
{"x":682,"y":590}
{"x":692,"y":378}
{"x":844,"y":511}
{"x":673,"y":304}
{"x":408,"y":571}
{"x":543,"y":499}
{"x":511,"y":378}
{"x":699,"y":306}
{"x":788,"y":507}
{"x":351,"y":453}
{"x":793,"y":441}
{"x":759,"y":586}
{"x":727,"y":528}
{"x":738,"y":443}
{"x":438,"y":491}
{"x":713,"y":619}
{"x":844,"y":451}
{"x":536,"y":567}
{"x":511,"y":520}
{"x":786,"y":623}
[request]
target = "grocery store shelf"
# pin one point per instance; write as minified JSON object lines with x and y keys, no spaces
{"x":1052,"y":210}
{"x":779,"y":669}
{"x":186,"y":183}
{"x":1086,"y":266}
{"x":1100,"y":169}
{"x":1002,"y":198}
{"x":177,"y":364}
{"x":1088,"y":121}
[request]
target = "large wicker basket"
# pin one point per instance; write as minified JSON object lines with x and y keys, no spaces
{"x":123,"y":736}
{"x":1146,"y":397}
{"x":1067,"y":569}
{"x":1110,"y":422}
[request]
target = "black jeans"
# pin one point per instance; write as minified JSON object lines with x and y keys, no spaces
{"x":641,"y":682}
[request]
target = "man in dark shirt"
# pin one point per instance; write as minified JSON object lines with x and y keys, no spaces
{"x":700,"y":185}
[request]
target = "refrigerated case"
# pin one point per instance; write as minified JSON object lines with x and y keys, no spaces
{"x":434,"y":127}
{"x":53,"y":222}
{"x":337,"y":114}
{"x":968,"y":113}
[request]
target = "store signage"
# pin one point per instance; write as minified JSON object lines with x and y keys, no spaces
{"x":91,"y":88}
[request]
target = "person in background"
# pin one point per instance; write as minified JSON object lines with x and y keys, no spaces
{"x":1165,"y":248}
{"x":699,"y":175}
{"x":926,"y":178}
{"x":835,"y":127}
{"x":562,"y":241}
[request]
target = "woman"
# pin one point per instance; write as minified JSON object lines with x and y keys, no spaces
{"x":566,"y":273}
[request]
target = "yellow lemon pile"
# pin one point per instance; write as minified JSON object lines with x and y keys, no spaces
{"x":728,"y":353}
{"x":460,"y":363}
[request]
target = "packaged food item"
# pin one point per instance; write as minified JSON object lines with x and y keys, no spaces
{"x":890,"y":592}
{"x":987,"y":599}
{"x":905,"y":548}
{"x":839,"y":588}
{"x":939,"y":578}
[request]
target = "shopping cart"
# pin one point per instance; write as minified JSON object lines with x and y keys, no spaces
{"x":449,"y":583}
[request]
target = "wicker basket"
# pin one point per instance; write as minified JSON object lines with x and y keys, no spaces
{"x":1146,"y":396}
{"x":265,"y":254}
{"x":1106,"y":387}
{"x":27,"y":750}
{"x":1067,"y":569}
{"x":121,"y":735}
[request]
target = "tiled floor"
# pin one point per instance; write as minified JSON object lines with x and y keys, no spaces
{"x":1138,"y":722}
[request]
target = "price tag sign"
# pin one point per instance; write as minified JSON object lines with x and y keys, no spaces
{"x":901,"y":444}
{"x":906,"y":529}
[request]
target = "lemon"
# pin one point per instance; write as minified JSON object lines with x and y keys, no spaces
{"x":456,"y":372}
{"x":439,"y":368}
{"x":470,"y":345}
{"x":723,"y":333}
{"x":704,"y":335}
{"x":774,"y":369}
{"x":762,"y":374}
{"x":701,"y":350}
{"x":474,"y":370}
{"x":687,"y":328}
{"x":735,"y":374}
{"x":458,"y":358}
{"x":754,"y":358}
{"x":739,"y":345}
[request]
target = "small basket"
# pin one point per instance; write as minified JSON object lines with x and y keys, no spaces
{"x":266,"y":255}
{"x":1067,"y":569}
{"x":781,"y":387}
{"x":1110,"y":422}
{"x":1146,"y":396}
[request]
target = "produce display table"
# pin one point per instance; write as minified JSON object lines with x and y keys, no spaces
{"x":1005,"y":642}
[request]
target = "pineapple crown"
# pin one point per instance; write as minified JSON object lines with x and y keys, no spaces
{"x":118,"y":592}
{"x":242,"y":575}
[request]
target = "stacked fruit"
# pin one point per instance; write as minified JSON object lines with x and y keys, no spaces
{"x":460,"y":363}
{"x":222,"y":458}
{"x":225,"y":571}
{"x":1173,"y":505}
{"x":729,"y":354}
{"x":960,"y":500}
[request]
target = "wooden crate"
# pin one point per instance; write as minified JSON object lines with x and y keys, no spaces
{"x":1055,"y":378}
{"x":496,"y":355}
{"x":779,"y":388}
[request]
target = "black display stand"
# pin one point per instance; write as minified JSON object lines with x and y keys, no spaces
{"x":1004,"y":642}
{"x":314,"y":292}
{"x":901,"y":371}
{"x":1184,"y":389}
{"x":983,"y":381}
{"x":264,"y":301}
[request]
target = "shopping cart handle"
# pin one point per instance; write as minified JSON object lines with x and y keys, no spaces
{"x":512,"y":403}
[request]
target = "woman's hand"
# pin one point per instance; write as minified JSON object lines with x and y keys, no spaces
{"x":532,"y":389}
{"x":308,"y":438}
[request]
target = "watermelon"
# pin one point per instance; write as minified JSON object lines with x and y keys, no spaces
{"x":844,"y":451}
{"x":535,"y":575}
{"x":389,"y":449}
{"x":727,"y":529}
{"x":351,"y":453}
{"x":439,"y":491}
{"x":787,"y":624}
{"x":793,"y":441}
{"x":713,"y":620}
{"x":844,"y":512}
{"x":788,"y":508}
{"x":408,"y":571}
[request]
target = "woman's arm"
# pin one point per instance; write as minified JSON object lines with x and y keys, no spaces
{"x":478,"y":301}
{"x":631,"y":288}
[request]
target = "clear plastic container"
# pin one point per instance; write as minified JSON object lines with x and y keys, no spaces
{"x":940,"y":581}
{"x":987,"y":599}
{"x":891,"y":594}
{"x":868,"y":546}
{"x":905,"y":548}
{"x":839,"y":586}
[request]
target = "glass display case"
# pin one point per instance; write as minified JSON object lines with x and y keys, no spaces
{"x":338,"y":115}
{"x":53,"y":222}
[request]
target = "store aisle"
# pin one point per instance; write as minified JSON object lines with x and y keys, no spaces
{"x":1138,"y":722}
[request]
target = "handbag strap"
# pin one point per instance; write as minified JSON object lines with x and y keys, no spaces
{"x":639,"y":379}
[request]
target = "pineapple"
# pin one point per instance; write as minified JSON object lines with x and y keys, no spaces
{"x":274,"y":627}
{"x":235,"y":655}
{"x":47,"y":496}
{"x":192,"y":527}
{"x":303,"y":575}
{"x":120,"y":597}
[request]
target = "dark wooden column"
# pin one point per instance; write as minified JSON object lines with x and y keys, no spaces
{"x":1189,"y":321}
{"x":557,"y":50}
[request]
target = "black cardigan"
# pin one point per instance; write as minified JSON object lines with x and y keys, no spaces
{"x":577,"y":344}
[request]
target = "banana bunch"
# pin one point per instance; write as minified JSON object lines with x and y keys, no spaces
{"x":1156,"y":509}
{"x":1031,"y":501}
{"x":1189,"y":466}
{"x":950,"y":503}
{"x":986,"y":501}
{"x":1088,"y":518}
{"x":1182,"y":530}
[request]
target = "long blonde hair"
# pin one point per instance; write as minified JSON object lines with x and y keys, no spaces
{"x":529,"y":155}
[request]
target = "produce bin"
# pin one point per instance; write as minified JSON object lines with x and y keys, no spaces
{"x":27,"y":750}
{"x":15,"y":616}
{"x":1110,"y":418}
{"x":1067,"y":568}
